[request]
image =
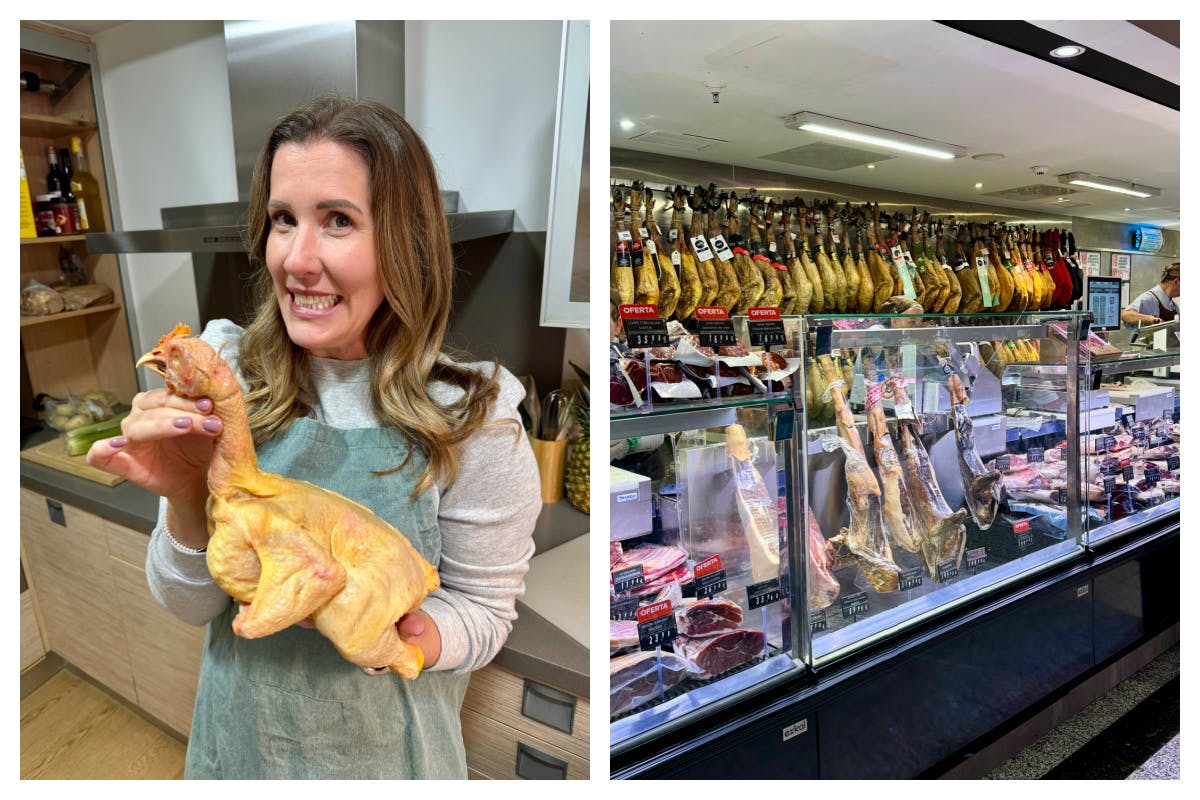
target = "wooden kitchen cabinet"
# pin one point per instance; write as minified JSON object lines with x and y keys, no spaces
{"x":88,"y":584}
{"x":512,"y":728}
{"x":90,"y":348}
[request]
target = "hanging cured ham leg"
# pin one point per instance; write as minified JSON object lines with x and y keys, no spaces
{"x":942,"y":532}
{"x":865,"y":538}
{"x":897,"y":510}
{"x":981,"y":487}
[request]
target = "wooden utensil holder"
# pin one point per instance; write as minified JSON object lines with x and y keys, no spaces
{"x":552,"y":461}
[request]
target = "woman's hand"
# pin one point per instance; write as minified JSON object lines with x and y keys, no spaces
{"x":165,"y":446}
{"x":418,"y":628}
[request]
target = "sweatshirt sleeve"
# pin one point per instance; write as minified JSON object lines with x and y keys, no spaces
{"x":486,"y":518}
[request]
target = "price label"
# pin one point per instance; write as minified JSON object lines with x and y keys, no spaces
{"x":1110,"y":483}
{"x":1107,"y":442}
{"x":816,"y":621}
{"x":1060,"y":497}
{"x":911,"y":578}
{"x":854,"y":604}
{"x":764,"y":593}
{"x":714,"y":327}
{"x":766,"y":327}
{"x":1003,"y":463}
{"x":623,"y":609}
{"x":1036,"y":454}
{"x":1173,"y":463}
{"x":656,"y":625}
{"x":701,"y":248}
{"x":1158,"y":440}
{"x":976,"y":558}
{"x":1127,"y":417}
{"x":947,"y":570}
{"x":1020,"y":526}
{"x":1139,"y":432}
{"x":624,"y":580}
{"x":1025,"y":540}
{"x":709,"y":577}
{"x":1127,"y":473}
{"x":643,"y":326}
{"x":1117,"y":413}
{"x":1151,"y":473}
{"x":721,"y":248}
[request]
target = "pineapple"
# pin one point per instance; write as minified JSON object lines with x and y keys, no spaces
{"x":579,"y":465}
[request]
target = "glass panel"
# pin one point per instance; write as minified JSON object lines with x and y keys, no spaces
{"x":936,"y":454}
{"x":1131,"y":433}
{"x":699,"y":515}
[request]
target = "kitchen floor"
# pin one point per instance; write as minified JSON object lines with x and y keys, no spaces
{"x":72,"y":729}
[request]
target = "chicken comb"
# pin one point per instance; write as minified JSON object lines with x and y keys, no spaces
{"x":180,"y":329}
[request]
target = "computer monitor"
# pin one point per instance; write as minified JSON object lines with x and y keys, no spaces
{"x":1104,"y":301}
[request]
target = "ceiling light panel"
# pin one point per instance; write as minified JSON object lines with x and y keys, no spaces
{"x":1108,"y":184}
{"x":876,"y":137}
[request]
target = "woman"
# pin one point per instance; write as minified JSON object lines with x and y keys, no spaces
{"x":346,"y":388}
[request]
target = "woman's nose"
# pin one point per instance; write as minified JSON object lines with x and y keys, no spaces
{"x":303,"y":257}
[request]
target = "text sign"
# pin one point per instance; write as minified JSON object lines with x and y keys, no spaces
{"x":709,"y":577}
{"x":763,"y":593}
{"x":855,"y":604}
{"x":766,"y":327}
{"x":714,"y":327}
{"x":656,"y":625}
{"x":642,"y":331}
{"x":911,"y":578}
{"x":947,"y":570}
{"x":628,"y":578}
{"x":623,"y":609}
{"x":817,"y":621}
{"x":976,"y":558}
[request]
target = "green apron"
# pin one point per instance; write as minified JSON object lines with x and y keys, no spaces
{"x":287,"y":705}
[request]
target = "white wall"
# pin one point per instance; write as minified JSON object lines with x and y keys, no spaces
{"x":166,"y":99}
{"x":483,"y":97}
{"x":481,"y":94}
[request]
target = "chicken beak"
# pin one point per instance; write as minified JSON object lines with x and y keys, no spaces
{"x":154,"y":362}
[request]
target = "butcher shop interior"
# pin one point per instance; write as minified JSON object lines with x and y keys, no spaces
{"x":894,"y":475}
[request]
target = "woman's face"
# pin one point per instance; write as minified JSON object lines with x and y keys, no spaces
{"x":321,"y":247}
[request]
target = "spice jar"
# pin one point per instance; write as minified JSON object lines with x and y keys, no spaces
{"x":43,"y":215}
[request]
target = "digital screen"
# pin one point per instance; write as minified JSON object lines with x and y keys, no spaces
{"x":1104,"y":301}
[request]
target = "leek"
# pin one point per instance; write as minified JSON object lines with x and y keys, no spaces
{"x":80,"y":439}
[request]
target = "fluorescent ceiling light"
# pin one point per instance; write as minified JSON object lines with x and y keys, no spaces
{"x":1108,"y":184}
{"x":867,"y":134}
{"x":626,"y":124}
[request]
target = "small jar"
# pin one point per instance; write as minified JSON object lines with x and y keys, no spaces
{"x":43,"y":215}
{"x":62,"y":213}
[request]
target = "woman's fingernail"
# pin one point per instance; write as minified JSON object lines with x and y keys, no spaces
{"x":117,"y":442}
{"x":181,"y":422}
{"x":212,"y":424}
{"x":204,"y":405}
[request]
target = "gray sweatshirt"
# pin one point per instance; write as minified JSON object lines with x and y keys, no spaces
{"x":486,"y":516}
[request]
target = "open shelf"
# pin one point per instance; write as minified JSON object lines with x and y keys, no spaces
{"x":50,"y":126}
{"x":70,"y":237}
{"x":83,"y":312}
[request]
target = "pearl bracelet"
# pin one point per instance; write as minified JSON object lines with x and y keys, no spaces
{"x":175,"y":542}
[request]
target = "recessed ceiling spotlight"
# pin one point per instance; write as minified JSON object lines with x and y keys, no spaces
{"x":870,"y":166}
{"x":626,"y":124}
{"x":1129,"y":209}
{"x":979,"y":186}
{"x":1067,"y":51}
{"x":988,"y":156}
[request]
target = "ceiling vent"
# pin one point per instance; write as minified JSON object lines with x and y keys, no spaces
{"x":823,"y":155}
{"x":1033,"y":192}
{"x":679,"y":141}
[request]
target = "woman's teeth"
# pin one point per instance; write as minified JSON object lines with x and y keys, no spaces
{"x":316,"y":302}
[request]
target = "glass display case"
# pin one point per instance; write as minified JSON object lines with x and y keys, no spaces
{"x":800,"y":497}
{"x":700,"y":607}
{"x":936,"y":456}
{"x":1130,"y":438}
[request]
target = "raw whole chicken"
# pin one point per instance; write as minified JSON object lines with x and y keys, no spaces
{"x":287,"y":549}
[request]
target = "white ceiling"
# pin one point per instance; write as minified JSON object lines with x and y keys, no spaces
{"x":918,"y":77}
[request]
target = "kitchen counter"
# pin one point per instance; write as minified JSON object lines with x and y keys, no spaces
{"x":537,"y":647}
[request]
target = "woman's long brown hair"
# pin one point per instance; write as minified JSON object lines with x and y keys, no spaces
{"x":404,"y":337}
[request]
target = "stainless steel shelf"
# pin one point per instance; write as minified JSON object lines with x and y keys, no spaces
{"x":891,"y":337}
{"x":1122,"y":365}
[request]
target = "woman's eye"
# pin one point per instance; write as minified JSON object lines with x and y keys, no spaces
{"x":282,"y":218}
{"x":340,"y":221}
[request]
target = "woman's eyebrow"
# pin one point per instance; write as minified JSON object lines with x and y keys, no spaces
{"x":337,"y":203}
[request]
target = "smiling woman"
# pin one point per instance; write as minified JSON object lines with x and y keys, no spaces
{"x":347,"y":388}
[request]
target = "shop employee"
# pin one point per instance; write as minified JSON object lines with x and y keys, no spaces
{"x":1157,"y":304}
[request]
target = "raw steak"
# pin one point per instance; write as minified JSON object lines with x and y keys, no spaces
{"x":622,"y":636}
{"x":715,"y":655}
{"x":706,"y":617}
{"x":656,"y":560}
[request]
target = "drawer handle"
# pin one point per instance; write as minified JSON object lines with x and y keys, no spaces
{"x":535,"y":765}
{"x":548,"y":706}
{"x":55,"y":509}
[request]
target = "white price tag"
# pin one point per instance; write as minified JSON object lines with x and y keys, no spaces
{"x":676,"y":259}
{"x":650,"y":248}
{"x":722,"y":249}
{"x":700,"y":245}
{"x":625,"y":236}
{"x":771,"y":247}
{"x":642,"y":232}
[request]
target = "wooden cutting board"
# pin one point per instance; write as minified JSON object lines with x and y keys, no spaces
{"x":53,"y":454}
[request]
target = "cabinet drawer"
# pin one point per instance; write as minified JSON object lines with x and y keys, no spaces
{"x":164,"y":652}
{"x":501,"y":695}
{"x":497,"y":751}
{"x":127,"y":544}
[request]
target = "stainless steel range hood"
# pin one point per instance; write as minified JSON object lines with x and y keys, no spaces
{"x":274,"y":67}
